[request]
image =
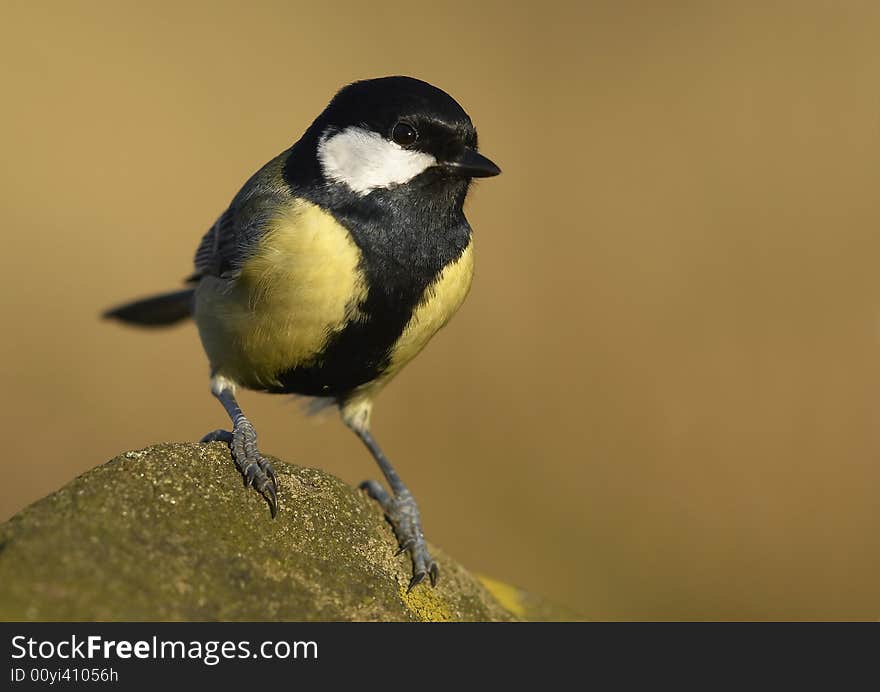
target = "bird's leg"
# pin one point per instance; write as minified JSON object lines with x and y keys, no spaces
{"x":256,"y":470}
{"x":402,"y":511}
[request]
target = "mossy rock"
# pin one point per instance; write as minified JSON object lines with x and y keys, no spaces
{"x":170,"y":533}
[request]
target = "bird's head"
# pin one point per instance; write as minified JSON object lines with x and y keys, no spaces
{"x":383,"y":134}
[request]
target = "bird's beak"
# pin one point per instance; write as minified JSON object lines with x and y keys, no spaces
{"x":471,"y":164}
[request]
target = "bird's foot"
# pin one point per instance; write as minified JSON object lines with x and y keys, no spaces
{"x":256,"y":470}
{"x":402,"y":512}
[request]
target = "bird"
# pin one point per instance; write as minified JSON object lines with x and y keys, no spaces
{"x":332,"y":268}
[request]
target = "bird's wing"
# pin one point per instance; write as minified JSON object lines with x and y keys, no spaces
{"x":232,"y":239}
{"x":209,"y":257}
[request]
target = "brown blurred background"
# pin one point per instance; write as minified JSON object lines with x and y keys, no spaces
{"x":661,"y":399}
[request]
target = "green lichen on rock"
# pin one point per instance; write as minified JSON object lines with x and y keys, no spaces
{"x":170,"y":533}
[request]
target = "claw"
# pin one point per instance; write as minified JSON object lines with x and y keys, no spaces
{"x":263,"y":484}
{"x":249,"y":474}
{"x":403,"y":547}
{"x":417,"y":579}
{"x":271,"y":473}
{"x":271,"y":496}
{"x":402,"y":513}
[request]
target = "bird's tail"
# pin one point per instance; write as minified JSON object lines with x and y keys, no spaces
{"x":156,"y":311}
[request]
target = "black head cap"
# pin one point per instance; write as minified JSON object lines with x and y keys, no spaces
{"x":381,"y":103}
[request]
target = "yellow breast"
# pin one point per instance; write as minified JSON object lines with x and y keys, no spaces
{"x":439,"y":303}
{"x":302,"y":284}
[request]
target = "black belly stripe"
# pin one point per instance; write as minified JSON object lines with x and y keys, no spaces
{"x":404,"y":249}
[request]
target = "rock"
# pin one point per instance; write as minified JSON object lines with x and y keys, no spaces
{"x":170,"y":533}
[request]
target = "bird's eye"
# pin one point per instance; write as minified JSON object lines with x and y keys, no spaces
{"x":404,"y":134}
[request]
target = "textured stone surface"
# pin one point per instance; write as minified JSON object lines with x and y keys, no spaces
{"x":170,"y":533}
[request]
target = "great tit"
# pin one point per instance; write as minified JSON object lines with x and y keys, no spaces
{"x":332,"y":268}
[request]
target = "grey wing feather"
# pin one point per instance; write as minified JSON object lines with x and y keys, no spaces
{"x":208,"y":259}
{"x":232,"y":239}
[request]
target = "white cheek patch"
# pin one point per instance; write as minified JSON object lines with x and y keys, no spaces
{"x":365,"y":160}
